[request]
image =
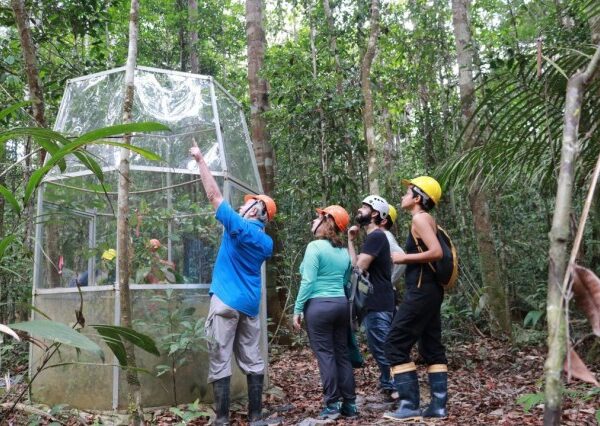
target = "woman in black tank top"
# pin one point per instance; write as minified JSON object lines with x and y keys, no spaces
{"x":418,"y":317}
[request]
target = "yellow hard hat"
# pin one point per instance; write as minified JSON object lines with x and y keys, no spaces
{"x":428,"y":185}
{"x":393,"y":214}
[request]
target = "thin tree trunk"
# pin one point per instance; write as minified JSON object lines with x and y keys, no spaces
{"x":490,"y":268}
{"x":183,"y":40}
{"x":427,"y":127}
{"x":259,"y":104}
{"x":368,"y":115}
{"x":322,"y":125}
{"x":123,"y":244}
{"x":559,"y":237}
{"x":36,"y":95}
{"x":389,"y":154}
{"x":340,"y":120}
{"x":193,"y":36}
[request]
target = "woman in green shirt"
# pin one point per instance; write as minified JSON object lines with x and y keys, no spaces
{"x":323,"y":304}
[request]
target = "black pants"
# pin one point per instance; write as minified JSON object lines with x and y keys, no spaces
{"x":418,"y":318}
{"x":327,"y":321}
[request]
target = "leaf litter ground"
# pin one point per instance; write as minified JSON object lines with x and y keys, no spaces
{"x":486,"y":379}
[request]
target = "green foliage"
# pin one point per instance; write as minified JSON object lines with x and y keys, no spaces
{"x":180,"y":334}
{"x":192,"y":412}
{"x":59,"y":333}
{"x":532,"y":318}
{"x":529,"y":400}
{"x":114,"y":336}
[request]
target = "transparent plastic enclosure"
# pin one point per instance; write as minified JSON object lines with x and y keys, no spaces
{"x":174,"y":236}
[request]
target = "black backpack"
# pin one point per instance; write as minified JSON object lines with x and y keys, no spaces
{"x":445,"y":269}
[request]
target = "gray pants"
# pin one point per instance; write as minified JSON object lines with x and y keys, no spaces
{"x":232,"y":332}
{"x":328,"y":323}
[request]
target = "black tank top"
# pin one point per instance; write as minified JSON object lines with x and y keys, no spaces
{"x":417,"y":271}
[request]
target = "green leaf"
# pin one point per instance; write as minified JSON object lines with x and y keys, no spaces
{"x":8,"y":196}
{"x":598,"y":416}
{"x":530,"y":399}
{"x":5,"y":242}
{"x":61,"y":333}
{"x":7,"y":111}
{"x":120,"y":129}
{"x":46,"y":138}
{"x":113,"y":335}
{"x":532,"y":318}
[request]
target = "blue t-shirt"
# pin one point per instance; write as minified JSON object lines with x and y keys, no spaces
{"x":244,"y":248}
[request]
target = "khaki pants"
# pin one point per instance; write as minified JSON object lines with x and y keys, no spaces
{"x":232,"y":332}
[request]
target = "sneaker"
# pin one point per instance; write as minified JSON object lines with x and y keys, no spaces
{"x":349,"y":409}
{"x":331,"y":411}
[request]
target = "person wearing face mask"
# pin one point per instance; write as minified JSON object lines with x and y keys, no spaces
{"x":374,"y":259}
{"x":233,"y":325}
{"x":323,"y":305}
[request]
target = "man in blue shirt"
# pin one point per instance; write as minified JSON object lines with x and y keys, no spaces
{"x":232,"y":325}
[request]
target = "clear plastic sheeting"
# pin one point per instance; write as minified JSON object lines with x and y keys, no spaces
{"x":174,"y":236}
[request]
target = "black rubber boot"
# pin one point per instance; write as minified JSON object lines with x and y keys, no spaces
{"x":438,"y":385}
{"x":221,"y":393}
{"x":255,"y":389}
{"x":407,"y":385}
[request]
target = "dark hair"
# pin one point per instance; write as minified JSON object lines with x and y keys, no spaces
{"x":332,"y":232}
{"x":426,"y":202}
{"x":388,"y":223}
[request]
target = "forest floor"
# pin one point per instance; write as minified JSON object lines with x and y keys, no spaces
{"x":489,"y":384}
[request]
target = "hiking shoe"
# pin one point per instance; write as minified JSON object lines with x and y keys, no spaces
{"x":349,"y":409}
{"x":331,"y":411}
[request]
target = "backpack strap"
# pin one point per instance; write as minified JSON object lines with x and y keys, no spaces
{"x":421,"y":251}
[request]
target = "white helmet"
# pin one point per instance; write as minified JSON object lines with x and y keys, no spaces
{"x":378,"y":204}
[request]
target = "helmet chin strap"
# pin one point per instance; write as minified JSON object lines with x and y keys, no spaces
{"x":248,"y":209}
{"x":320,"y":223}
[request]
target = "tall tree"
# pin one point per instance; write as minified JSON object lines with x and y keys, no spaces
{"x":490,"y":267}
{"x":263,"y":150}
{"x":123,"y":243}
{"x":36,"y":95}
{"x":559,"y":237}
{"x":193,"y":36}
{"x":368,"y":114}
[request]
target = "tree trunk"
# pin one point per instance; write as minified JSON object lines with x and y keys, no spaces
{"x":389,"y":155}
{"x":427,"y":127}
{"x":259,"y":104}
{"x":368,"y":115}
{"x":36,"y":95}
{"x":193,"y":36}
{"x":490,"y":268}
{"x":322,"y":124}
{"x":340,"y":122}
{"x":31,"y":70}
{"x":183,"y":40}
{"x":123,"y":243}
{"x":559,"y":237}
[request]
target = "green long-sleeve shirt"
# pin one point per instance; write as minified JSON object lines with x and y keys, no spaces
{"x":325,"y":270}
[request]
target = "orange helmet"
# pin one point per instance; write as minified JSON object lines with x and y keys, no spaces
{"x":269,"y":203}
{"x":339,"y":214}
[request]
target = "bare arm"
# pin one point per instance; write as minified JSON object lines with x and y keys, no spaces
{"x":363,"y":260}
{"x":423,"y":227}
{"x":208,"y":181}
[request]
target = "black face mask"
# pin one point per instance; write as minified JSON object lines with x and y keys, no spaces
{"x":361,"y":219}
